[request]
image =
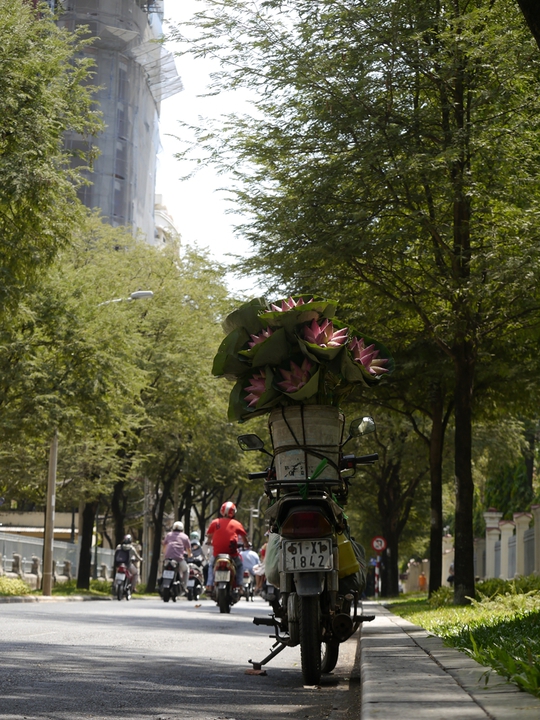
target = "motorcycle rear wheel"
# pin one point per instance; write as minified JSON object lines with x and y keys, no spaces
{"x":329,"y":656}
{"x":166,"y":594}
{"x":190,"y":594}
{"x":310,"y":639}
{"x":223,"y":600}
{"x":119,"y":591}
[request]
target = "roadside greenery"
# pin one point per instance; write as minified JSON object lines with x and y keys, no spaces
{"x":500,"y":629}
{"x":13,"y":586}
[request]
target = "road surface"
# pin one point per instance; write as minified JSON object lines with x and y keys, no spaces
{"x":147,"y":660}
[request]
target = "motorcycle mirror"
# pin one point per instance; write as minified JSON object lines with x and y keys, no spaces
{"x":362,"y":426}
{"x":250,"y":442}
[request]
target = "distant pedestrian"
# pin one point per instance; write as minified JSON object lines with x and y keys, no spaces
{"x":450,"y":578}
{"x":422,"y":582}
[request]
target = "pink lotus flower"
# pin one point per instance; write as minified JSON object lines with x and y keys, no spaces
{"x":288,"y":304}
{"x":256,"y":389}
{"x":261,"y":337}
{"x":323,"y":334}
{"x":368,"y":356}
{"x":296,"y":377}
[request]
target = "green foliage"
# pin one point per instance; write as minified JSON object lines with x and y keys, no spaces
{"x":13,"y":586}
{"x":44,"y":91}
{"x":509,"y":489}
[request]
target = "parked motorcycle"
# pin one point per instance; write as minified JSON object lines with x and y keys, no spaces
{"x":310,"y":557}
{"x":195,"y":581}
{"x":170,"y":586}
{"x":225,"y":589}
{"x":122,"y":582}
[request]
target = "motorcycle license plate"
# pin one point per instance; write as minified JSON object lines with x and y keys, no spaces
{"x":222,"y":576}
{"x":119,"y":577}
{"x":169,"y":574}
{"x":191,"y":583}
{"x":308,"y":555}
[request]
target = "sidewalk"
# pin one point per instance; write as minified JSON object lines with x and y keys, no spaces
{"x":410,"y":675}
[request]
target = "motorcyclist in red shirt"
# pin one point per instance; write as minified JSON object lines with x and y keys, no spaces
{"x":224,"y":535}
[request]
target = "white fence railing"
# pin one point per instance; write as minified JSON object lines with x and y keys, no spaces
{"x":510,"y":548}
{"x":18,"y":555}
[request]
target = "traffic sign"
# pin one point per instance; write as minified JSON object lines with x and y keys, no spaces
{"x":378,"y":544}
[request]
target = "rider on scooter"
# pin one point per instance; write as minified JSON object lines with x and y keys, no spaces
{"x":225,"y":534}
{"x":126,"y":553}
{"x":176,"y":545}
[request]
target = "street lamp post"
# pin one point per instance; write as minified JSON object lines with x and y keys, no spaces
{"x":48,"y":532}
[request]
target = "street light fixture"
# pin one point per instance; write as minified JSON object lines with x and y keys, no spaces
{"x":136,"y":295}
{"x":48,"y":531}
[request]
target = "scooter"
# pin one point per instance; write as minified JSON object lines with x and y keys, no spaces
{"x":225,"y":589}
{"x":122,"y":582}
{"x":247,"y":586}
{"x":170,"y":587}
{"x":195,"y":582}
{"x":310,"y":557}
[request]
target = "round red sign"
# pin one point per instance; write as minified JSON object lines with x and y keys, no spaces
{"x":378,"y":544}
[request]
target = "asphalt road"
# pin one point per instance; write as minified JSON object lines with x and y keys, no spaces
{"x":149,"y":660}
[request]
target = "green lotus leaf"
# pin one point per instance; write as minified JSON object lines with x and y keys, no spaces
{"x":227,"y":363}
{"x":246,"y":316}
{"x":272,"y":351}
{"x":351,"y":371}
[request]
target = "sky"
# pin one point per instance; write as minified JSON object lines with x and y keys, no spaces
{"x":197,"y":205}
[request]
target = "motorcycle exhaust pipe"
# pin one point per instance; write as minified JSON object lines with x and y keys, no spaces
{"x":342,"y":626}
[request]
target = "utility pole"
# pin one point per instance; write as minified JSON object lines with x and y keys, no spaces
{"x":48,"y":539}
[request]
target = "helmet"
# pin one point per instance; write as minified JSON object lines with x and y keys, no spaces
{"x":228,"y":509}
{"x":194,"y":536}
{"x":127,"y":540}
{"x":178,"y":526}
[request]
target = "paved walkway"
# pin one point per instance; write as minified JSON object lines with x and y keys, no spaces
{"x":410,"y":675}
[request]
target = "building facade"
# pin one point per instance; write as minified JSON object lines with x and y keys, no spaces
{"x":134,"y":73}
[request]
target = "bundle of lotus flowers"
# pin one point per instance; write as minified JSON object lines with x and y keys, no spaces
{"x":294,"y":351}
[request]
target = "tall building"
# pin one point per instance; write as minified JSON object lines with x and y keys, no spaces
{"x":134,"y":74}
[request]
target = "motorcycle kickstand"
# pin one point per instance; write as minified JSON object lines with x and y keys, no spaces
{"x":276,"y":648}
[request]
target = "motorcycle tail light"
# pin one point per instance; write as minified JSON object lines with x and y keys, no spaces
{"x":246,"y":574}
{"x":306,"y":524}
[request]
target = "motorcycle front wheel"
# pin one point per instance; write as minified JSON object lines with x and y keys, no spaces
{"x":223,"y":600}
{"x":310,"y":640}
{"x":329,"y":656}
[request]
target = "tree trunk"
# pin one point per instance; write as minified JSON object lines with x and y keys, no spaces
{"x":436,"y":444}
{"x":464,"y":540}
{"x":85,"y":557}
{"x":528,"y":456}
{"x":118,"y":509}
{"x":531,"y":13}
{"x":390,"y":567}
